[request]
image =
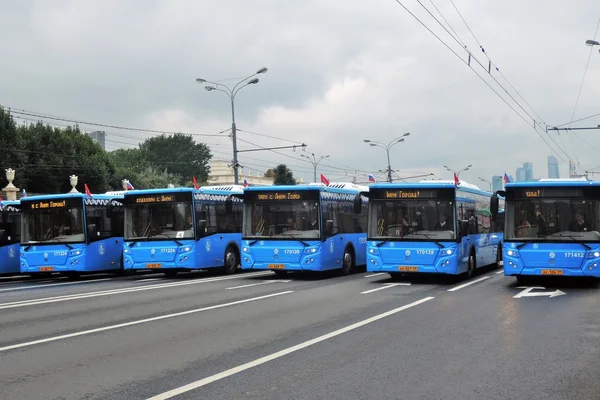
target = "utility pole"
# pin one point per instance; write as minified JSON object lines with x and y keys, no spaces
{"x":315,"y":162}
{"x":387,"y":148}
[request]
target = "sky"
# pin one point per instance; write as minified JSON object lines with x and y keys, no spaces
{"x":339,"y":72}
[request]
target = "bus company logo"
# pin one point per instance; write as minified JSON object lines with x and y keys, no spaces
{"x":551,"y":255}
{"x":392,"y":244}
{"x":46,"y":255}
{"x":11,"y":252}
{"x":407,"y":252}
{"x":152,"y":251}
{"x":276,"y":251}
{"x":535,"y":245}
{"x":513,"y":245}
{"x":331,"y":246}
{"x":262,"y":242}
{"x":101,"y":249}
{"x":207,"y":245}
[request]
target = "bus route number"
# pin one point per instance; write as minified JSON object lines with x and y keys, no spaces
{"x":574,"y":255}
{"x":425,"y":252}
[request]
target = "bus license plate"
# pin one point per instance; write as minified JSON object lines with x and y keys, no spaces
{"x":552,"y":272}
{"x":411,"y":269}
{"x":276,"y":266}
{"x":46,"y":268}
{"x":153,"y":265}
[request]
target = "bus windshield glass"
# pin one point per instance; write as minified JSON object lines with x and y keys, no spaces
{"x":53,"y":221}
{"x":282,"y":219}
{"x":421,"y":220}
{"x":546,"y":219}
{"x":159,"y":217}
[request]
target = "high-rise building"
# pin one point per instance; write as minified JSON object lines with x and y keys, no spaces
{"x":497,"y":182}
{"x":528,"y":167}
{"x":553,"y":172}
{"x":520,"y":174}
{"x":99,"y":137}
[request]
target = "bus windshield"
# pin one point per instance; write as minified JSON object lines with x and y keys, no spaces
{"x":290,"y":219}
{"x":412,"y":219}
{"x":53,"y":225}
{"x":159,"y":221}
{"x":552,"y":220}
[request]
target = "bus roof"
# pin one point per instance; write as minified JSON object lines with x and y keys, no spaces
{"x":432,"y":184}
{"x":67,"y":196}
{"x":222,"y":189}
{"x":579,"y":182}
{"x":8,"y":204}
{"x":340,"y":187}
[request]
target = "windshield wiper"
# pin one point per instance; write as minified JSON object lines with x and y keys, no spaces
{"x":65,"y":243}
{"x":296,"y":238}
{"x":168,"y":237}
{"x":575,"y":240}
{"x":139,"y":239}
{"x":429,"y":237}
{"x":384,"y":241}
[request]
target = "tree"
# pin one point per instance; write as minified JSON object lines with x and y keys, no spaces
{"x":283,"y":175}
{"x":179,"y":154}
{"x":11,"y":146}
{"x":270,"y":173}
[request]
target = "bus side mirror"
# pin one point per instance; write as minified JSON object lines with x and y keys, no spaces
{"x":2,"y":236}
{"x":229,"y":205}
{"x":357,"y":204}
{"x":328,"y":227}
{"x":201,"y":226}
{"x":464,"y":228}
{"x":92,"y":231}
{"x":494,"y":204}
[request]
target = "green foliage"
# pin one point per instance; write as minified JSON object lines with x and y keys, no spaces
{"x":283,"y":175}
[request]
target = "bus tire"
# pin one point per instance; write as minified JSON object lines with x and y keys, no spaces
{"x":348,"y":261}
{"x":499,"y":256}
{"x":471,"y":264}
{"x":231,"y":261}
{"x":170,"y":272}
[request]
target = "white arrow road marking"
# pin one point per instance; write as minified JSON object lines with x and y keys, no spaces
{"x":257,"y":284}
{"x":527,"y":292}
{"x":373,"y":275}
{"x":385,"y":286}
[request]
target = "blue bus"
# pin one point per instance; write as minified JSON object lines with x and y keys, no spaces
{"x":309,"y":227}
{"x":10,"y":237}
{"x":183,"y":229}
{"x":431,"y":227}
{"x":71,"y":234}
{"x":552,"y":228}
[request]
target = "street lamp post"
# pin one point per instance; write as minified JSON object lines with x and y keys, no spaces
{"x":592,"y":43}
{"x":485,"y":180}
{"x":387,"y":148}
{"x":231,"y":93}
{"x":459,"y":171}
{"x":315,"y":162}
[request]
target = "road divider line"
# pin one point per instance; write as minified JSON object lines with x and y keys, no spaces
{"x":385,"y":286}
{"x":56,"y":299}
{"x":43,"y":286}
{"x":148,"y":280}
{"x":139,"y":321}
{"x":500,"y":272}
{"x":282,"y":353}
{"x":464,"y":285}
{"x":258,"y":284}
{"x":373,"y":275}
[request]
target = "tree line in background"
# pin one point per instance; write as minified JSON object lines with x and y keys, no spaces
{"x":46,"y":156}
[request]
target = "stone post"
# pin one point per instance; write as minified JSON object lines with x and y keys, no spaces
{"x":10,"y":189}
{"x":73,"y":180}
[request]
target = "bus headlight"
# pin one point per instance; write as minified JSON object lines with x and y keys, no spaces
{"x":373,"y":251}
{"x":594,"y":254}
{"x":511,"y":253}
{"x":75,"y":252}
{"x":311,"y":250}
{"x":447,"y":252}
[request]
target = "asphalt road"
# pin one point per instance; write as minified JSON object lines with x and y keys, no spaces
{"x":255,"y":336}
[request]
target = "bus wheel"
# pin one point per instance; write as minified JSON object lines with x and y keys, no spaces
{"x":499,"y":257}
{"x":471,"y":265}
{"x":170,"y":272}
{"x":73,"y":275}
{"x":348,"y":267}
{"x":232,"y":261}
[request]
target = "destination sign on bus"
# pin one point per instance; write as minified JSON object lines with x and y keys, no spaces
{"x":158,"y":198}
{"x":552,"y":192}
{"x":408,"y":194}
{"x":281,"y":195}
{"x":52,"y":204}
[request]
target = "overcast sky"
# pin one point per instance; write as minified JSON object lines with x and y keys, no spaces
{"x":340,"y":71}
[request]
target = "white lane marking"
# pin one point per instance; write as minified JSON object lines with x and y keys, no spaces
{"x":499,"y":272}
{"x":139,"y":321}
{"x":377,"y":274}
{"x":464,"y":285}
{"x":281,"y":353}
{"x":43,"y":286}
{"x":148,"y":280}
{"x":257,"y":284}
{"x":24,"y":303}
{"x":385,"y":286}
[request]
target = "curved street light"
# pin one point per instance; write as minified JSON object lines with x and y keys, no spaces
{"x":231,"y":93}
{"x":315,"y":162}
{"x":486,"y":181}
{"x":459,"y":171}
{"x":387,"y":148}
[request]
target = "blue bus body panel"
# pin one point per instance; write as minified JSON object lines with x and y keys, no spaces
{"x":101,"y":255}
{"x":426,"y":256}
{"x":292,"y":255}
{"x":9,"y":253}
{"x":538,"y":258}
{"x":205,"y":253}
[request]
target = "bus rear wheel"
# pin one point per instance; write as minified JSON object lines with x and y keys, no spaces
{"x":232,"y":261}
{"x":499,"y":257}
{"x":348,"y":266}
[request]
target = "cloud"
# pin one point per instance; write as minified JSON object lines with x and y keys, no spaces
{"x":339,"y":72}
